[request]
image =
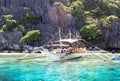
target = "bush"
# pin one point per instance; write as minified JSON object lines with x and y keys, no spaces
{"x":67,"y":9}
{"x":91,"y":20}
{"x":111,"y":17}
{"x":31,"y":37}
{"x":29,"y":20}
{"x":113,"y":7}
{"x":91,"y":33}
{"x":21,"y":28}
{"x":9,"y":26}
{"x":106,"y":22}
{"x":9,"y":16}
{"x":1,"y":31}
{"x":77,"y":9}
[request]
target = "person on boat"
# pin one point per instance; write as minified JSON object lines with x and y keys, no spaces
{"x":58,"y":50}
{"x":69,"y":50}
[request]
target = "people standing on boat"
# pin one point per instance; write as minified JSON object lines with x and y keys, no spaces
{"x":69,"y":50}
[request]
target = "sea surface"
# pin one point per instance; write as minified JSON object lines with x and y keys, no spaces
{"x":89,"y":68}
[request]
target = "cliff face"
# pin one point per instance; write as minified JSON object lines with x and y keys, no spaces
{"x":51,"y":17}
{"x":10,"y":41}
{"x":111,"y":35}
{"x":18,"y":7}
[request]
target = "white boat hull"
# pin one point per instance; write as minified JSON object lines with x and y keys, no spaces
{"x":70,"y":56}
{"x":60,"y":57}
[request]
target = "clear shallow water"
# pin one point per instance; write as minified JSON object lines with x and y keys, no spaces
{"x":83,"y":69}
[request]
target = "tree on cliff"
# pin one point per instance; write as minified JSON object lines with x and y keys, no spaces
{"x":31,"y":37}
{"x":91,"y":33}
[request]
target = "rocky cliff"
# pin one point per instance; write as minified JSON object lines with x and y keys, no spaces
{"x":111,"y":36}
{"x":51,"y":17}
{"x":10,"y":41}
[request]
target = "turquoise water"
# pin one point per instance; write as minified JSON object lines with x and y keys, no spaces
{"x":83,"y":69}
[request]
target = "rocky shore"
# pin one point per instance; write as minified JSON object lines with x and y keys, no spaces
{"x":10,"y":51}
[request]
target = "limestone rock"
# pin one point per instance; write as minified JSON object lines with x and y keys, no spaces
{"x":51,"y":16}
{"x":14,"y":36}
{"x":10,"y":41}
{"x":111,"y":36}
{"x":59,"y":17}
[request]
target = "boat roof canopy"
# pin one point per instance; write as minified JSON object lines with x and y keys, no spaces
{"x":69,"y":40}
{"x":58,"y":45}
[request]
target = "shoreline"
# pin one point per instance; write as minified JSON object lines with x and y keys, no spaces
{"x":34,"y":54}
{"x":23,"y":52}
{"x":89,"y":51}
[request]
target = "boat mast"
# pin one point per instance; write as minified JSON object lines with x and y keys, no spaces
{"x":77,"y":38}
{"x":60,"y":39}
{"x":70,"y":34}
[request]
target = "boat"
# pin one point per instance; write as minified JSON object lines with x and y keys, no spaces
{"x":63,"y":49}
{"x":60,"y":56}
{"x":116,"y":58}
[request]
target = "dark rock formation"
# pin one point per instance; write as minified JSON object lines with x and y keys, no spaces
{"x":10,"y":41}
{"x":59,"y":17}
{"x":111,"y":36}
{"x":51,"y":16}
{"x":18,"y":7}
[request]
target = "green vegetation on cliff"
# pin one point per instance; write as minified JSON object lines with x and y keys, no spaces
{"x":31,"y":37}
{"x":90,"y":32}
{"x":90,"y":16}
{"x":11,"y":24}
{"x":76,"y":9}
{"x":106,"y":22}
{"x":95,"y":13}
{"x":29,"y":20}
{"x":9,"y":16}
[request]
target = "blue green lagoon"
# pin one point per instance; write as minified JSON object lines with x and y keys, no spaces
{"x":89,"y":68}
